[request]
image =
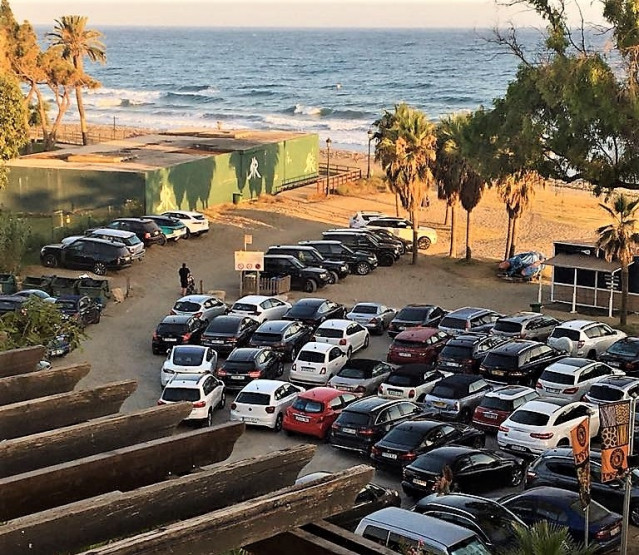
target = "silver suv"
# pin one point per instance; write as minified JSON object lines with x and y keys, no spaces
{"x":525,"y":325}
{"x":584,"y":338}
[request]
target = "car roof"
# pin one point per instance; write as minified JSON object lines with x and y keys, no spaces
{"x":237,"y":318}
{"x":368,"y":404}
{"x":187,"y":212}
{"x":295,"y":247}
{"x":520,"y":317}
{"x":450,"y":452}
{"x":420,"y":426}
{"x":245,"y":353}
{"x":322,"y":242}
{"x":546,"y":405}
{"x":364,"y":363}
{"x":280,"y":256}
{"x":619,"y":382}
{"x":253,"y":299}
{"x":471,"y":503}
{"x":310,"y":301}
{"x":317,"y":346}
{"x":515,"y":346}
{"x":100,"y":242}
{"x":276,"y":326}
{"x":376,"y":305}
{"x":417,"y":333}
{"x":132,"y":220}
{"x":113,"y":232}
{"x":263,"y":386}
{"x":188,"y":380}
{"x":576,"y":324}
{"x":336,"y":324}
{"x":190,"y":348}
{"x":558,"y":495}
{"x":567,"y":452}
{"x":413,"y":369}
{"x":196,"y":298}
{"x":321,"y":393}
{"x":177,"y":318}
{"x":74,"y":298}
{"x":510,"y":391}
{"x":462,"y":379}
{"x":568,"y":365}
{"x":468,"y":338}
{"x":467,"y":311}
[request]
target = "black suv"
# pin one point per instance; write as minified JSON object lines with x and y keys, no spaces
{"x":226,"y":332}
{"x":147,"y":230}
{"x":412,"y":315}
{"x":176,"y":330}
{"x":246,"y":364}
{"x":358,"y":239}
{"x":303,"y":277}
{"x":309,"y":256}
{"x":518,"y":362}
{"x":283,"y":336}
{"x":365,"y":422}
{"x":313,"y":311}
{"x":623,"y":354}
{"x":86,"y":253}
{"x":79,"y":308}
{"x":464,"y":354}
{"x":360,"y":262}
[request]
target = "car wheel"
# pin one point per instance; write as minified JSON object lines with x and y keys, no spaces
{"x":592,"y":354}
{"x":278,"y":422}
{"x":293,"y":353}
{"x":349,"y":353}
{"x":96,"y":320}
{"x":517,"y":476}
{"x":479,"y":442}
{"x":187,"y":234}
{"x":162,"y":241}
{"x":563,"y":443}
{"x":333,"y":278}
{"x":362,"y":268}
{"x":634,"y":514}
{"x":367,"y":342}
{"x":99,"y":269}
{"x":209,"y":419}
{"x":310,"y":286}
{"x":222,"y":402}
{"x":280,"y":370}
{"x":423,"y":243}
{"x":50,"y":261}
{"x":386,"y":260}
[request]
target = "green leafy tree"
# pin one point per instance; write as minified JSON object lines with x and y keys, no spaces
{"x":405,"y":147}
{"x":618,"y":241}
{"x":13,"y":123}
{"x":14,"y":238}
{"x":543,"y":538}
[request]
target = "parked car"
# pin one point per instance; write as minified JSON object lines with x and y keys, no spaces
{"x":28,"y":293}
{"x":130,"y":240}
{"x":623,"y":354}
{"x":204,"y":307}
{"x":96,"y":255}
{"x":302,"y":277}
{"x":544,"y":424}
{"x":244,"y":365}
{"x":456,"y":397}
{"x":408,"y":440}
{"x":260,"y":307}
{"x":495,"y":525}
{"x":283,"y":336}
{"x":314,"y":411}
{"x":611,"y":389}
{"x":147,"y":230}
{"x":309,"y":256}
{"x":525,"y":325}
{"x":474,"y":470}
{"x":386,"y":236}
{"x":387,"y":253}
{"x":559,"y":507}
{"x":188,"y":359}
{"x":499,"y":404}
{"x":316,"y":363}
{"x":584,"y":338}
{"x":360,"y":262}
{"x":413,"y":315}
{"x":400,"y":227}
{"x":204,"y":391}
{"x":411,"y":381}
{"x":362,"y":217}
{"x":264,"y":402}
{"x":570,"y":378}
{"x":417,"y":345}
{"x":313,"y":311}
{"x":374,"y":317}
{"x":196,"y":223}
{"x":347,"y":335}
{"x":172,"y":228}
{"x":176,"y":330}
{"x":83,"y":310}
{"x":463,"y":354}
{"x":361,"y":376}
{"x":518,"y":362}
{"x":227,"y":332}
{"x":468,"y":319}
{"x":365,"y":422}
{"x":11,"y":303}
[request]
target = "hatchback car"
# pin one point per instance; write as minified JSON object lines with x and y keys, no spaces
{"x":348,"y":336}
{"x":314,"y":411}
{"x":176,"y":330}
{"x":196,"y":223}
{"x":191,"y":359}
{"x":411,"y":381}
{"x":172,"y":228}
{"x":204,"y":307}
{"x":463,"y":354}
{"x":570,"y":378}
{"x":417,"y":345}
{"x":284,"y":336}
{"x":499,"y":404}
{"x":204,"y":391}
{"x":147,"y":230}
{"x":361,"y":376}
{"x":468,"y":319}
{"x":413,"y":315}
{"x":374,"y":317}
{"x":313,"y":311}
{"x":623,"y":354}
{"x":584,"y":338}
{"x":525,"y":325}
{"x":244,"y":365}
{"x":316,"y":363}
{"x":264,"y":402}
{"x":226,"y":333}
{"x":260,"y":307}
{"x":456,"y":397}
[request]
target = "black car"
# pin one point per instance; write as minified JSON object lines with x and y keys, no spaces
{"x":385,"y":235}
{"x":495,"y":525}
{"x":226,"y":332}
{"x":413,"y":315}
{"x":313,"y":312}
{"x":87,"y":253}
{"x":306,"y":278}
{"x":556,"y":467}
{"x":365,"y":422}
{"x":147,"y":230}
{"x":174,"y":330}
{"x":309,"y":256}
{"x":244,"y":365}
{"x":623,"y":354}
{"x":464,"y":354}
{"x":11,"y":303}
{"x":81,"y":309}
{"x":284,"y":336}
{"x":360,"y":262}
{"x":364,"y":240}
{"x":457,"y":396}
{"x":518,"y":362}
{"x":405,"y":442}
{"x":473,"y":470}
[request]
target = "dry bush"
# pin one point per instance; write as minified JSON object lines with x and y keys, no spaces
{"x":361,"y":187}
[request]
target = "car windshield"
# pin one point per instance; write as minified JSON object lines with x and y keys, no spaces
{"x":352,"y":418}
{"x":266,"y":337}
{"x":308,"y":405}
{"x":330,"y":333}
{"x":132,"y":241}
{"x":188,"y":357}
{"x":557,"y":377}
{"x":573,"y":335}
{"x":471,"y":546}
{"x":529,"y":417}
{"x":186,"y":306}
{"x":457,"y":351}
{"x":171,"y":328}
{"x":595,"y":511}
{"x":448,"y":391}
{"x":355,"y":373}
{"x":403,"y":436}
{"x":222,"y":325}
{"x":495,"y":360}
{"x":302,"y":310}
{"x":605,"y":393}
{"x":496,"y":403}
{"x":253,"y":398}
{"x":411,"y":314}
{"x":499,"y":527}
{"x":365,"y":309}
{"x":625,"y":348}
{"x":243,"y":307}
{"x":404,"y":344}
{"x":453,"y":323}
{"x":311,"y":356}
{"x":175,"y":394}
{"x":405,"y":380}
{"x":507,"y":327}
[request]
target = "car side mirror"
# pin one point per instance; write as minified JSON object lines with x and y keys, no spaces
{"x":168,"y":352}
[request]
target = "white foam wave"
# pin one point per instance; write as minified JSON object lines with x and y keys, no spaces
{"x":307,"y":110}
{"x":106,"y":97}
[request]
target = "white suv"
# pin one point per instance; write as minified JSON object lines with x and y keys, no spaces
{"x":426,"y":236}
{"x":346,"y":334}
{"x":261,"y":307}
{"x":570,"y":378}
{"x":195,"y":223}
{"x":583,"y":338}
{"x":316,"y":363}
{"x":360,"y":219}
{"x":204,"y":391}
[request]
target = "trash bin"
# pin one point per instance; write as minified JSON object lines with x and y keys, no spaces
{"x":237,"y":198}
{"x":64,"y":286}
{"x":95,"y":288}
{"x":536,"y":307}
{"x":8,"y":284}
{"x":43,"y":283}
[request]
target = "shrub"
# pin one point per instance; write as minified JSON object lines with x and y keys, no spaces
{"x":14,"y":239}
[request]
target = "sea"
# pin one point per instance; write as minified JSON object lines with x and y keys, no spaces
{"x":332,"y":82}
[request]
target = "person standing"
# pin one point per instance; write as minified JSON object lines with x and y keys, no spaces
{"x":443,"y":485}
{"x":184,"y":273}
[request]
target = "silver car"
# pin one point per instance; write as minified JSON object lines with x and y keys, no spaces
{"x":361,"y":376}
{"x":373,"y":316}
{"x":204,"y":307}
{"x":583,"y":338}
{"x":525,"y":325}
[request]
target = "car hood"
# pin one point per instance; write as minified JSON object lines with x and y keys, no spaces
{"x":337,"y":380}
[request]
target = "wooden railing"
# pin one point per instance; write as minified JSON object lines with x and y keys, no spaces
{"x":337,"y":175}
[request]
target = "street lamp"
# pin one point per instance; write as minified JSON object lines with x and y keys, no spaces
{"x":371,"y":134}
{"x":328,"y":162}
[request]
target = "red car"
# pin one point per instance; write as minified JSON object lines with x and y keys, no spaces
{"x":314,"y":411}
{"x":417,"y":345}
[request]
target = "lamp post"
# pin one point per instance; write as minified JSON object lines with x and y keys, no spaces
{"x":371,"y":134}
{"x":328,"y":162}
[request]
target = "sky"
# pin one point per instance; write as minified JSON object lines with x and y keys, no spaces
{"x":291,"y":13}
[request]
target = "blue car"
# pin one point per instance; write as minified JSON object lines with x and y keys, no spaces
{"x":172,"y":228}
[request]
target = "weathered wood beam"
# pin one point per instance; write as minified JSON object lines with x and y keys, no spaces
{"x":20,"y":361}
{"x":123,"y":469}
{"x":64,"y":409}
{"x":24,"y":454}
{"x":73,"y":527}
{"x":250,"y":521}
{"x":15,"y":389}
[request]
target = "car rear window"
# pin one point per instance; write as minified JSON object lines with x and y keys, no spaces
{"x":132,"y":241}
{"x":627,"y":348}
{"x":404,"y":380}
{"x":253,"y":398}
{"x":595,"y":511}
{"x":243,"y":307}
{"x":365,"y":309}
{"x":355,"y":373}
{"x":557,"y":377}
{"x":507,"y":327}
{"x":302,"y":310}
{"x":403,"y":436}
{"x":149,"y":226}
{"x":352,"y":418}
{"x":529,"y":417}
{"x":175,"y":394}
{"x":433,"y":462}
{"x":311,"y":356}
{"x":404,"y":344}
{"x":496,"y":403}
{"x":198,"y":217}
{"x":329,"y":333}
{"x":496,"y":360}
{"x":222,"y":325}
{"x":241,"y":365}
{"x":171,"y":328}
{"x":308,"y":405}
{"x":453,"y":323}
{"x":412,"y":314}
{"x":189,"y":358}
{"x":573,"y":335}
{"x":457,"y":351}
{"x":186,"y":306}
{"x":605,"y":393}
{"x":446,"y":391}
{"x":267,"y":337}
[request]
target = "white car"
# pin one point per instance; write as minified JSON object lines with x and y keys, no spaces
{"x":570,"y":378}
{"x":264,"y":402}
{"x":412,"y":381}
{"x":316,"y":363}
{"x":426,"y":236}
{"x":204,"y":307}
{"x":193,"y":359}
{"x":544,"y":424}
{"x":261,"y":307}
{"x":204,"y":391}
{"x":346,"y":334}
{"x":583,"y":338}
{"x":196,"y":223}
{"x":361,"y":218}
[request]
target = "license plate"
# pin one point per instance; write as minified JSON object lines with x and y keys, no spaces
{"x":614,"y":531}
{"x":216,"y":341}
{"x":422,"y":483}
{"x":170,"y":340}
{"x":389,"y":456}
{"x":302,"y":418}
{"x":57,"y":352}
{"x":518,"y":448}
{"x":405,"y":355}
{"x":237,"y":377}
{"x":249,"y":420}
{"x":352,"y":431}
{"x":498,"y":372}
{"x":440,"y":404}
{"x":490,"y":415}
{"x":395,"y":393}
{"x":453,"y":364}
{"x":307,"y":369}
{"x":553,"y":390}
{"x":615,"y":364}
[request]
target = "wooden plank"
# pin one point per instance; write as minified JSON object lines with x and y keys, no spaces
{"x":64,"y":409}
{"x":15,"y":389}
{"x":20,"y":361}
{"x":250,"y":521}
{"x":123,"y":469}
{"x":35,"y":451}
{"x":71,"y":528}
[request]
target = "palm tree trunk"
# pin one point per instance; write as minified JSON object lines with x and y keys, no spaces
{"x":510,"y":223}
{"x":623,"y":315}
{"x":469,"y":253}
{"x":46,"y":140}
{"x":414,"y":218}
{"x":83,"y":120}
{"x":446,"y":216}
{"x":453,"y":231}
{"x":396,"y":205}
{"x":513,"y":236}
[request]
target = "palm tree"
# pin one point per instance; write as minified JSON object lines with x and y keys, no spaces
{"x":516,"y":191}
{"x":78,"y":42}
{"x":618,"y":239}
{"x":543,"y":538}
{"x":470,"y":195}
{"x":405,"y":145}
